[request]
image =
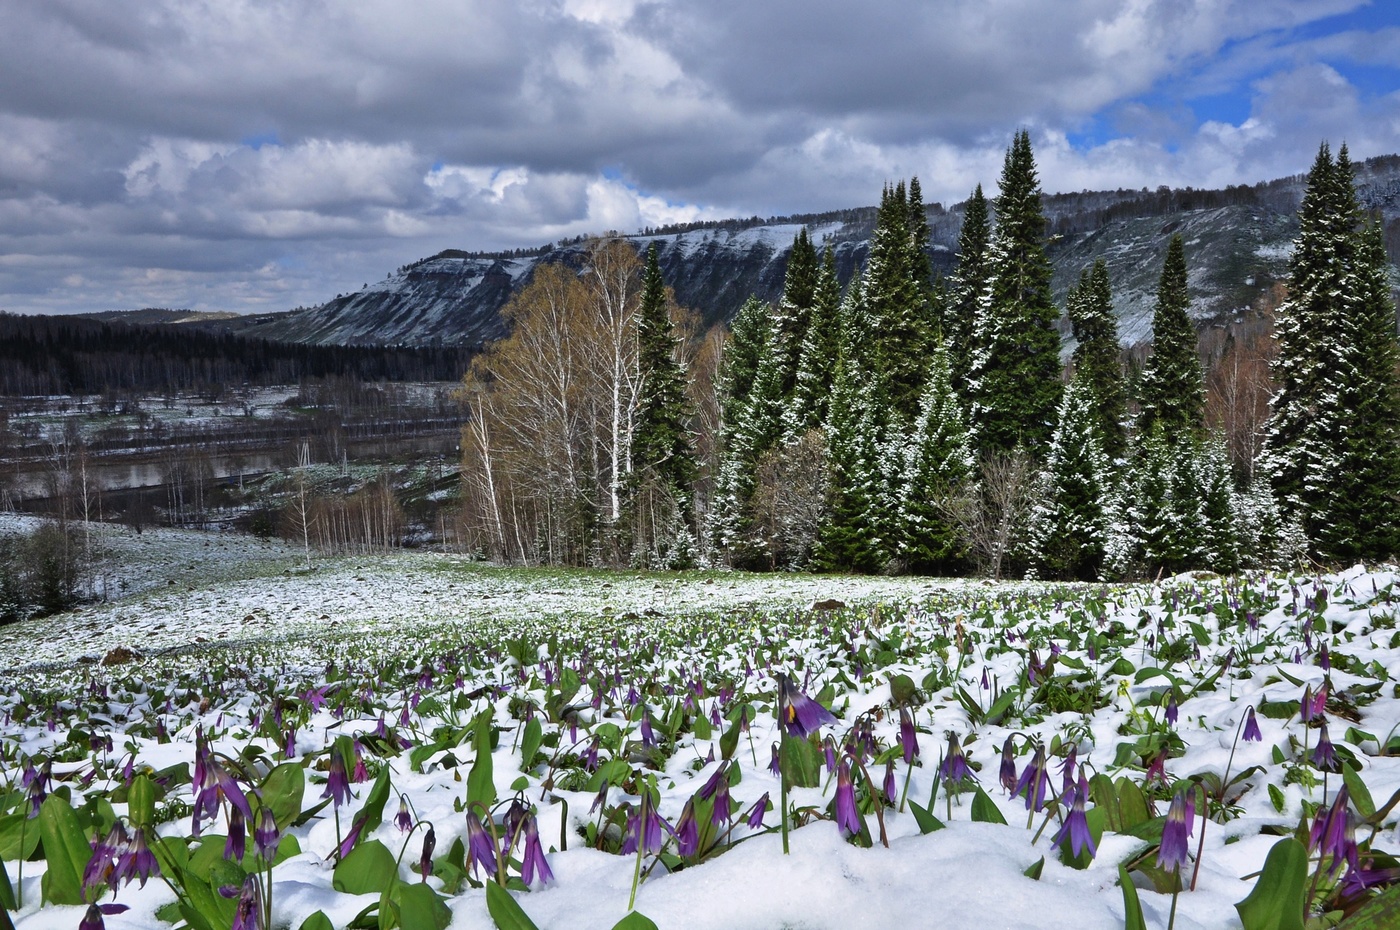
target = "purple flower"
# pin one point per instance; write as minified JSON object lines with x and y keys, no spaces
{"x":687,"y":831}
{"x":1334,"y":833}
{"x":1076,"y":826}
{"x":92,"y":920}
{"x":1324,"y":757}
{"x":481,"y":849}
{"x":1251,"y":727}
{"x":908,"y":736}
{"x":1172,"y":710}
{"x":717,"y":787}
{"x":266,"y":834}
{"x":847,"y":816}
{"x":1067,"y":768}
{"x":644,"y":830}
{"x":776,"y":764}
{"x":1171,"y":855}
{"x":352,"y":838}
{"x":236,"y":844}
{"x":403,"y":819}
{"x":136,"y":861}
{"x":799,"y":714}
{"x":337,"y":782}
{"x":248,"y":913}
{"x":955,"y":770}
{"x":1324,"y":659}
{"x":1008,"y":765}
{"x":760,"y":807}
{"x":533,"y":864}
{"x":425,"y":859}
{"x":1034,"y":782}
{"x":360,"y":774}
{"x":1312,"y":704}
{"x":890,"y":788}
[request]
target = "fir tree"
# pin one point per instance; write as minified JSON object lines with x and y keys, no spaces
{"x":938,"y":466}
{"x":1014,"y":380}
{"x":847,"y":539}
{"x":1221,"y":540}
{"x":895,"y":305}
{"x":969,"y":286}
{"x":739,"y":373}
{"x":792,"y":316}
{"x":919,"y":268}
{"x":816,"y":367}
{"x":1171,"y":390}
{"x":1069,"y":525}
{"x":661,"y":441}
{"x":1090,"y":307}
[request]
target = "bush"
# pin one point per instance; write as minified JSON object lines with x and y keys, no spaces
{"x":40,"y":572}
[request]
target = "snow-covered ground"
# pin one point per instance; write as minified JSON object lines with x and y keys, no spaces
{"x":637,"y":682}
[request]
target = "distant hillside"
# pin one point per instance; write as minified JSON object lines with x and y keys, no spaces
{"x":1238,"y":242}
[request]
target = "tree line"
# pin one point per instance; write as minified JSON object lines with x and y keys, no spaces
{"x":71,"y":355}
{"x":915,"y":423}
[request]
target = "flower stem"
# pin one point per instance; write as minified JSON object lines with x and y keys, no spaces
{"x":783,"y":792}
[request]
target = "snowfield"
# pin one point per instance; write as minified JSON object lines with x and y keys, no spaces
{"x":570,"y":706}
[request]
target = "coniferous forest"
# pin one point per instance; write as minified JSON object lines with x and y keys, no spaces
{"x":923,"y":424}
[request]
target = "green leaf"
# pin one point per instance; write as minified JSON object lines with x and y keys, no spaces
{"x":1360,"y":794}
{"x":902,"y":689}
{"x":926,"y":821}
{"x":1121,"y":667}
{"x":19,"y":836}
{"x":1132,"y":907}
{"x":283,"y":790}
{"x":985,"y":810}
{"x":481,"y":781}
{"x":1000,"y":706}
{"x":7,"y":891}
{"x":317,"y":921}
{"x":1276,"y":796}
{"x":1132,"y":803}
{"x":1034,"y":870}
{"x":700,"y":724}
{"x":369,"y":869}
{"x":530,"y":743}
{"x":420,"y":908}
{"x":635,"y":921}
{"x":1105,"y":797}
{"x":613,"y":772}
{"x":141,"y":801}
{"x":506,"y":912}
{"x":66,"y":850}
{"x":372,"y":814}
{"x":801,"y":763}
{"x":1380,"y":913}
{"x":729,"y":742}
{"x":1276,"y":903}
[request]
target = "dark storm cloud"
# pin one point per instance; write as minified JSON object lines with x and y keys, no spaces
{"x":251,"y":155}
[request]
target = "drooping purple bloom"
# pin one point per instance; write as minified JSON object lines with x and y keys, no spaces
{"x":890,"y":788}
{"x":718,"y":787}
{"x":1034,"y":782}
{"x":1251,"y":727}
{"x":92,"y":920}
{"x":760,"y":807}
{"x":687,"y":831}
{"x":359,"y":775}
{"x":266,"y":835}
{"x":1076,"y":825}
{"x":481,"y":849}
{"x":1334,"y":833}
{"x":236,"y":843}
{"x":776,"y":764}
{"x":847,"y":816}
{"x":1172,"y":711}
{"x":1324,"y":756}
{"x":1324,"y":659}
{"x":337,"y":782}
{"x":799,"y":714}
{"x":644,"y":830}
{"x":1008,"y":765}
{"x":1172,"y":854}
{"x":533,"y":864}
{"x":908,"y":736}
{"x":425,"y":859}
{"x":136,"y":861}
{"x":955,"y":770}
{"x":248,"y":913}
{"x":403,"y":820}
{"x":352,"y":838}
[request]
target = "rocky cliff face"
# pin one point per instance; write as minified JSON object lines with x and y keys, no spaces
{"x":1237,"y":246}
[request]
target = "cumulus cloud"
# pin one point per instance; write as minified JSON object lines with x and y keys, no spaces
{"x":250,"y":155}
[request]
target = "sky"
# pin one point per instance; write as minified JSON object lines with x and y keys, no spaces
{"x":258,"y":155}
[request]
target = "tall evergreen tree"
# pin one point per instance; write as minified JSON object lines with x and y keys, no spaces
{"x":919,"y":268}
{"x":816,"y":367}
{"x":1171,"y":390}
{"x":938,"y":466}
{"x":969,"y":286}
{"x":660,"y":434}
{"x":1014,"y":380}
{"x":895,"y":306}
{"x":792,"y":316}
{"x":740,"y":435}
{"x":1069,"y":525}
{"x":1090,"y":307}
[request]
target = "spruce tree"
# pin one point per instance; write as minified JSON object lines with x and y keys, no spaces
{"x":739,"y":434}
{"x":848,"y":539}
{"x":816,"y":367}
{"x":938,"y":466}
{"x":1090,"y":307}
{"x":918,"y":262}
{"x":968,"y":287}
{"x":1171,"y":391}
{"x":792,"y":316}
{"x":1069,"y":525}
{"x":895,"y":306}
{"x":1014,"y":379}
{"x":660,"y":435}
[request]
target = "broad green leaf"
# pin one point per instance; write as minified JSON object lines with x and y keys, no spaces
{"x":317,"y":921}
{"x":635,"y":921}
{"x":926,"y":821}
{"x":530,"y":743}
{"x":985,"y":810}
{"x":1132,"y":907}
{"x":19,"y":836}
{"x":372,"y":814}
{"x":420,"y":908}
{"x":506,"y":912}
{"x":369,"y":869}
{"x":1000,"y":706}
{"x":701,"y":726}
{"x":902,"y":689}
{"x":481,"y":781}
{"x":66,"y":851}
{"x":7,"y":891}
{"x":141,"y":801}
{"x":1360,"y":794}
{"x":1132,"y":804}
{"x":801,"y":762}
{"x":1035,"y":869}
{"x":282,"y":791}
{"x":1105,"y":797}
{"x":612,"y":772}
{"x":1276,"y":903}
{"x":1380,"y":913}
{"x":729,"y":742}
